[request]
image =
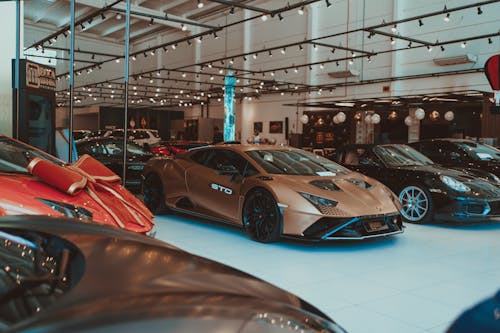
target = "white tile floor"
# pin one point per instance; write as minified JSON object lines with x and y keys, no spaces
{"x":417,"y":282}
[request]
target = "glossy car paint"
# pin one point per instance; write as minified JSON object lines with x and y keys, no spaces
{"x":449,"y":205}
{"x":448,"y":153}
{"x":152,"y":286}
{"x":135,"y":162}
{"x":195,"y":188}
{"x":19,"y":194}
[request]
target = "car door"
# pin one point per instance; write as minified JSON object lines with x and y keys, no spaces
{"x":213,"y":190}
{"x":363,"y":160}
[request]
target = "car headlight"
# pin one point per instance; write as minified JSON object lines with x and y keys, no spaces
{"x":318,"y":201}
{"x":68,"y":210}
{"x":454,"y":184}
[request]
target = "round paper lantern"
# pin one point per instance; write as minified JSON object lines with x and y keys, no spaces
{"x":449,"y":115}
{"x":368,"y":119}
{"x":336,"y":120}
{"x":419,"y":113}
{"x":408,"y":121}
{"x":341,"y":117}
{"x":375,"y":118}
{"x":304,"y":119}
{"x":434,"y":115}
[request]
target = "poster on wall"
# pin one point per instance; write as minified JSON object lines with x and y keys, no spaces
{"x":275,"y":127}
{"x":257,"y":127}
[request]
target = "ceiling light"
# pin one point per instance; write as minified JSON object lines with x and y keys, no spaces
{"x":463,"y":45}
{"x":215,"y":36}
{"x":283,"y":50}
{"x":151,"y":21}
{"x":152,"y":52}
{"x":183,"y":27}
{"x":322,"y":66}
{"x":117,"y":61}
{"x":264,"y":17}
{"x":270,"y":53}
{"x":174,"y":46}
{"x":420,"y":23}
{"x":479,"y":11}
{"x":351,"y":62}
{"x":442,"y":48}
{"x":409,"y":44}
{"x":255,"y":55}
{"x":296,"y":70}
{"x":231,"y":11}
{"x":429,"y":48}
{"x":328,"y":3}
{"x":199,"y":39}
{"x":392,"y":41}
{"x":490,"y":41}
{"x":301,"y":10}
{"x":301,"y":48}
{"x":118,"y":17}
{"x":394,"y":28}
{"x":280,"y":16}
{"x":102,"y":16}
{"x":200,"y":4}
{"x":315,"y":47}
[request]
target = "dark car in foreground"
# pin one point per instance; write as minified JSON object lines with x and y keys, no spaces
{"x":461,"y":153}
{"x":66,"y":276}
{"x":109,"y":151}
{"x":273,"y":192}
{"x":426,"y":190}
{"x":483,"y":317}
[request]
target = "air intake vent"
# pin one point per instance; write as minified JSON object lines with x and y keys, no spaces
{"x":344,"y":74}
{"x":458,"y":60}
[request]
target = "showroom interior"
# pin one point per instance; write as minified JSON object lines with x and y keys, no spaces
{"x":345,"y":151}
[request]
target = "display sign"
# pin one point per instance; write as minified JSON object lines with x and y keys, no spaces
{"x":40,"y":77}
{"x":492,"y":71}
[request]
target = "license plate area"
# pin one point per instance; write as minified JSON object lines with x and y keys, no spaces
{"x":374,"y":226}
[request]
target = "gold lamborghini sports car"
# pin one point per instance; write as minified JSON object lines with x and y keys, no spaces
{"x":272,"y":192}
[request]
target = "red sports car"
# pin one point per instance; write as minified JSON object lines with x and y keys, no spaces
{"x":171,"y":148}
{"x":35,"y":183}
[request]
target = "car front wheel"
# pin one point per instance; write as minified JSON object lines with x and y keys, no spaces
{"x":417,"y":206}
{"x":154,"y":194}
{"x":262,"y":216}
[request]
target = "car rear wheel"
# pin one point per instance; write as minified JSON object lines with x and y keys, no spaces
{"x":154,"y":194}
{"x":262,"y":216}
{"x":416,"y":202}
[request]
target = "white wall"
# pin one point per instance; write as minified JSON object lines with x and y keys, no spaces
{"x":8,"y":43}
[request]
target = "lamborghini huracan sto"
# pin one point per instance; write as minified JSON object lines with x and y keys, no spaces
{"x":272,"y":192}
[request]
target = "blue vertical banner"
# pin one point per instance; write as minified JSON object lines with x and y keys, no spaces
{"x":229,"y":124}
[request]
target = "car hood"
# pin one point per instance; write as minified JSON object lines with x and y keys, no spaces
{"x":480,"y":187}
{"x":356,"y":194}
{"x":125,"y":272}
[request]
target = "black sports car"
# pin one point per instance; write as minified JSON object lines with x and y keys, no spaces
{"x":109,"y":151}
{"x":426,"y":190}
{"x":461,"y":153}
{"x":58,"y":275}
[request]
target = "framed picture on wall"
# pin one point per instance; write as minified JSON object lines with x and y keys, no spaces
{"x":275,"y":127}
{"x":257,"y":126}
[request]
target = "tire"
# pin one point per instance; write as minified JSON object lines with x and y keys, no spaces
{"x":417,"y":205}
{"x":261,"y":216}
{"x":154,"y":194}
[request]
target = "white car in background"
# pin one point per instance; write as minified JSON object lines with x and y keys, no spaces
{"x":141,"y":136}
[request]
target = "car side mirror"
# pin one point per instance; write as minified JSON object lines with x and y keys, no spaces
{"x":228,"y":170}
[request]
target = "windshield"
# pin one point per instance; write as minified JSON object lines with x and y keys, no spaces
{"x":295,"y":162}
{"x":15,"y":156}
{"x":35,"y":271}
{"x":480,"y":151}
{"x":400,"y":155}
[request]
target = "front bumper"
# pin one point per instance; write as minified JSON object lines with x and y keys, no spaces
{"x":469,"y":210}
{"x":355,"y":228}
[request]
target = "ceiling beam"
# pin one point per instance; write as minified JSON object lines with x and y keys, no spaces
{"x":40,"y":15}
{"x":117,"y":27}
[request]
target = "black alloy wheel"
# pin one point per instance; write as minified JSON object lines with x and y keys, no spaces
{"x":154,"y":195}
{"x":262,"y":216}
